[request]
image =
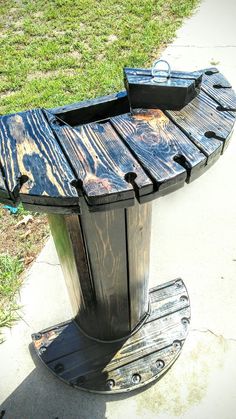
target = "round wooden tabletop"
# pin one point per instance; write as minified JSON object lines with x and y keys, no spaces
{"x":99,"y":153}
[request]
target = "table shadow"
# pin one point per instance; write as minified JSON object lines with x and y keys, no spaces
{"x":43,"y":396}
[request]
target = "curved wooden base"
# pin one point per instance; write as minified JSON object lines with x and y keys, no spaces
{"x":124,"y":365}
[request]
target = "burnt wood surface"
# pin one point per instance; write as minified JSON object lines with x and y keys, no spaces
{"x":34,"y":165}
{"x":105,"y":261}
{"x":125,"y":365}
{"x":97,"y":151}
{"x":208,"y":128}
{"x":165,"y":152}
{"x":218,"y":87}
{"x":106,"y":170}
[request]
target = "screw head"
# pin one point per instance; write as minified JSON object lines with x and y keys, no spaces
{"x":160,"y":364}
{"x":110,"y":384}
{"x":42,"y":350}
{"x":36,"y":336}
{"x":177,"y":344}
{"x":185,"y":321}
{"x":178,"y":283}
{"x":136,"y":378}
{"x":183,"y":298}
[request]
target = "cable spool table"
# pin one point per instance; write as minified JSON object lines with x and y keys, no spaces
{"x":95,"y":168}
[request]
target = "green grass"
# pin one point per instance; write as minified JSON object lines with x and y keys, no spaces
{"x":10,"y":282}
{"x":55,"y":52}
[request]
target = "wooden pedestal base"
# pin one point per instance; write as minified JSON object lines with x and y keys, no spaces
{"x":126,"y":364}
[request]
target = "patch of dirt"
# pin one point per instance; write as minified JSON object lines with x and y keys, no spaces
{"x":111,"y":39}
{"x":52,"y":73}
{"x":75,"y":54}
{"x":23,"y":234}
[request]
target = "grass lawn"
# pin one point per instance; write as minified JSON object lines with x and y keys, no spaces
{"x":55,"y":52}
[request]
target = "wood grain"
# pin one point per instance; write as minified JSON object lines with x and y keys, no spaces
{"x":218,"y":87}
{"x":160,"y":147}
{"x":101,"y":162}
{"x":149,"y":352}
{"x":138,"y":233}
{"x":208,"y":128}
{"x":105,"y":237}
{"x":34,"y":164}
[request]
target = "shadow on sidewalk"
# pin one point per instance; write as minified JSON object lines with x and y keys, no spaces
{"x":43,"y":396}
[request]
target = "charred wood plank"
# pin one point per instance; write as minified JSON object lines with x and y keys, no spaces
{"x":107,"y":171}
{"x":208,"y":128}
{"x":165,"y":152}
{"x":34,"y":165}
{"x":218,"y":87}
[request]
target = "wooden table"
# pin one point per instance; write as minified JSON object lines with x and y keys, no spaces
{"x":89,"y":166}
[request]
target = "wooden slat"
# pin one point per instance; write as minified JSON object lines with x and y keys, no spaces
{"x":149,"y":340}
{"x":207,"y":127}
{"x":101,"y":162}
{"x":33,"y":162}
{"x":218,"y":87}
{"x":105,"y":237}
{"x":138,"y":231}
{"x":157,"y":142}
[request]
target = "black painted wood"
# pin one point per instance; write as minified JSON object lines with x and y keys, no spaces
{"x":208,"y":128}
{"x":151,"y":92}
{"x":164,"y":151}
{"x":35,"y":167}
{"x":218,"y":87}
{"x":93,"y":110}
{"x":105,"y":168}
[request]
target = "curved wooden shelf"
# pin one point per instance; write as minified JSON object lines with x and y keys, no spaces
{"x":96,"y":151}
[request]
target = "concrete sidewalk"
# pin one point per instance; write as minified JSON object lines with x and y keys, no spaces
{"x":193,"y":236}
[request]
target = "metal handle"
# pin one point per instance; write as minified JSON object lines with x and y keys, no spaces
{"x":160,"y":75}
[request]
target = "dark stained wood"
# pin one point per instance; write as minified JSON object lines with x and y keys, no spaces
{"x":52,"y":209}
{"x":208,"y":128}
{"x":105,"y":261}
{"x":33,"y":163}
{"x":106,"y":169}
{"x":105,"y":238}
{"x":164,"y":151}
{"x":138,"y":231}
{"x":93,"y":110}
{"x":148,"y":91}
{"x":218,"y":87}
{"x":149,"y":352}
{"x":106,"y":155}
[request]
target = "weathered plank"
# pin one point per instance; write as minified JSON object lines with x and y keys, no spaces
{"x":218,"y":87}
{"x":138,"y":231}
{"x":207,"y":127}
{"x":34,"y":165}
{"x":164,"y":151}
{"x":106,"y":169}
{"x":105,"y":237}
